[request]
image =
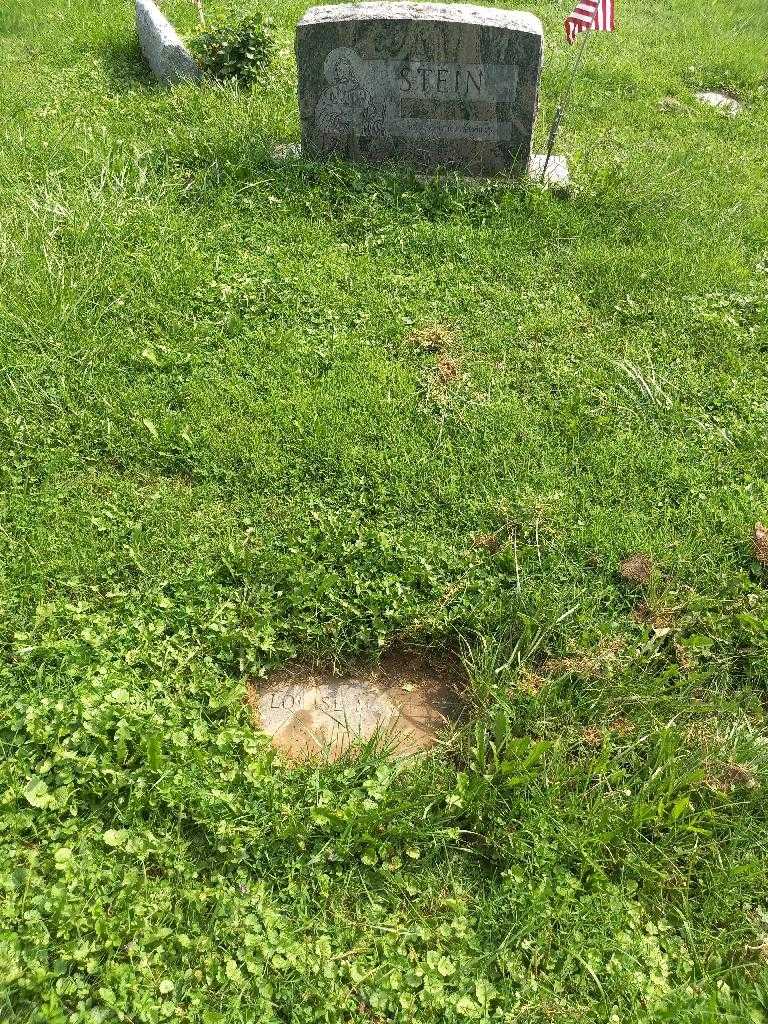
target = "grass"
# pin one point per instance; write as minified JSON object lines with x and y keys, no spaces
{"x":225,"y":444}
{"x":186,"y":19}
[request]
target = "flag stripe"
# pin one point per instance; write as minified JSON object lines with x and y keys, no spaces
{"x":597,"y":15}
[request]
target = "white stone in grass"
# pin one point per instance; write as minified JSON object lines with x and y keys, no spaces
{"x":286,"y":151}
{"x":557,"y":177}
{"x":165,"y":54}
{"x":727,"y":104}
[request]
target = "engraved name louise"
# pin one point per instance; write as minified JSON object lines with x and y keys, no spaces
{"x":332,"y":700}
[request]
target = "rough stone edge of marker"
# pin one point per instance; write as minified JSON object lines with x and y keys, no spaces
{"x":469,"y":14}
{"x":163,"y":51}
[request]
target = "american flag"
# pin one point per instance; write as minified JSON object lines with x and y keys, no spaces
{"x":597,"y":15}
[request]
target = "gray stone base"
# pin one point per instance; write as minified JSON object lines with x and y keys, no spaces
{"x":166,"y":56}
{"x":557,"y":177}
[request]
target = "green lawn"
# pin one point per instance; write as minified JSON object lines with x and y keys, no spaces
{"x":223,"y":446}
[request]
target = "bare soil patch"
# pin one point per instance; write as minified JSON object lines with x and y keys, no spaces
{"x":434,"y":338}
{"x":760,"y":543}
{"x":637,"y":569}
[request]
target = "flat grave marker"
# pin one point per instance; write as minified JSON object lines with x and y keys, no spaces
{"x":727,"y":104}
{"x":407,"y":699}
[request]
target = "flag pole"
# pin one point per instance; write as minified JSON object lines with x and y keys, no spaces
{"x":565,"y":98}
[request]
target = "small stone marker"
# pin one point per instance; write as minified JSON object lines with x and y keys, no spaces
{"x":557,"y":175}
{"x":309,"y":712}
{"x":166,"y":55}
{"x":436,"y":85}
{"x":727,"y":104}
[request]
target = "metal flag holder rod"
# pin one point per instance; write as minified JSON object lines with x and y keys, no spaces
{"x":565,"y":98}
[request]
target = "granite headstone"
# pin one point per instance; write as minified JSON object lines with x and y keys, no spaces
{"x":434,"y":85}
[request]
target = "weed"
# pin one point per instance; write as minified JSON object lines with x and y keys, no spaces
{"x":236,"y":52}
{"x":220,"y":454}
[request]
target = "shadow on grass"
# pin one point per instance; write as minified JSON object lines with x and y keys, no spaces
{"x":124,"y":65}
{"x":238,"y":172}
{"x":10,"y":23}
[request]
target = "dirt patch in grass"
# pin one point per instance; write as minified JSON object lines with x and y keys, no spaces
{"x":406,"y":701}
{"x":434,"y":338}
{"x":592,"y":664}
{"x":731,"y":777}
{"x":446,"y":369}
{"x":489,"y":542}
{"x":530,"y":682}
{"x":637,"y":569}
{"x":760,"y":543}
{"x":441,"y":342}
{"x":596,"y":735}
{"x":657,"y":617}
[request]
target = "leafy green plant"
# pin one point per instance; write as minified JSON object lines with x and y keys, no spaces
{"x":236,"y":463}
{"x":240,"y":52}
